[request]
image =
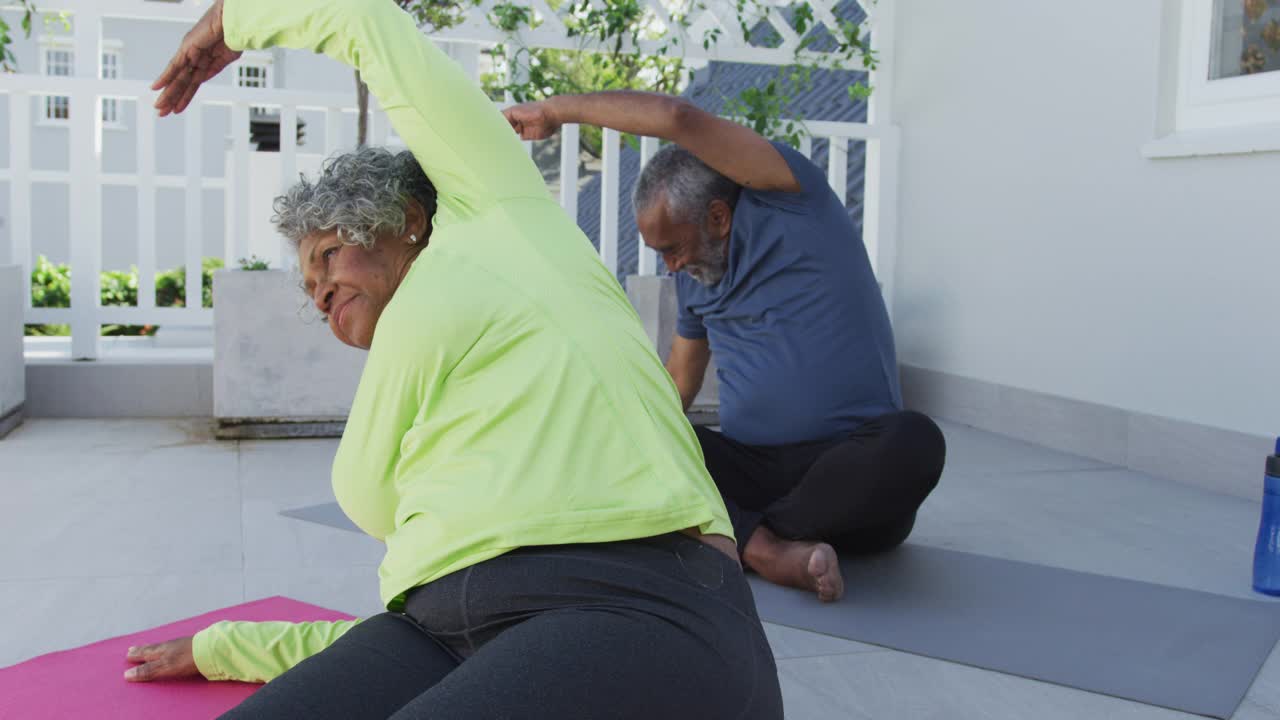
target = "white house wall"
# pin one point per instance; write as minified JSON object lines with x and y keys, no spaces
{"x":1040,"y":250}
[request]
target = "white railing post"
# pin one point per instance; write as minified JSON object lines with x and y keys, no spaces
{"x":609,"y":174}
{"x":569,"y":170}
{"x":515,"y":75}
{"x":86,"y":191}
{"x":193,"y":207}
{"x":838,"y":166}
{"x":238,"y":192}
{"x":880,"y":209}
{"x":806,"y":146}
{"x":882,"y":25}
{"x":646,"y":259}
{"x":379,"y":128}
{"x":20,"y":186}
{"x":467,"y":55}
{"x":332,"y":139}
{"x":146,"y":154}
{"x":880,"y":194}
{"x":289,"y":169}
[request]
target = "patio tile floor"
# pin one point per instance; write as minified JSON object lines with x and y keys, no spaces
{"x":111,"y":526}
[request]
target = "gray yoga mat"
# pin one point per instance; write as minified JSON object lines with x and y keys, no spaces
{"x":327,"y":514}
{"x":1176,"y":648}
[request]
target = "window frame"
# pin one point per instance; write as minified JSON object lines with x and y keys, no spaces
{"x":58,"y":43}
{"x":262,"y":61}
{"x":1226,"y":102}
{"x":1199,"y":116}
{"x":115,"y":50}
{"x":51,"y":44}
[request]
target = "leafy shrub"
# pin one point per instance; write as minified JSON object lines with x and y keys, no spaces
{"x":253,"y":262}
{"x":51,"y":287}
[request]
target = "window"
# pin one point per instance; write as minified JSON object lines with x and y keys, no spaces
{"x":58,"y":59}
{"x":110,"y":105}
{"x":255,"y":73}
{"x":1223,"y":89}
{"x":254,"y":76}
{"x":1245,"y":39}
{"x":58,"y":62}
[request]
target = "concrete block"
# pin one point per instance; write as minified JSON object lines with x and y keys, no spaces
{"x":13,"y":379}
{"x":124,"y":388}
{"x":654,"y":299}
{"x":274,"y":360}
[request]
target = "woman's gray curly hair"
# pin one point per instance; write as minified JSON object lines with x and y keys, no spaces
{"x":360,"y":193}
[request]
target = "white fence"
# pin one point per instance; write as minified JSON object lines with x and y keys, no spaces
{"x":86,"y":178}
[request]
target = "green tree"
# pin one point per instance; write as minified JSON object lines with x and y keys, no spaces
{"x":433,"y":16}
{"x":9,"y":63}
{"x":566,"y":72}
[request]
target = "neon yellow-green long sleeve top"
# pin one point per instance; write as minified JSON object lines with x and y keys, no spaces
{"x":510,"y":396}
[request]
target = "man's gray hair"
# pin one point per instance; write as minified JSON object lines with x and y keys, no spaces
{"x":360,"y":194}
{"x":688,"y":184}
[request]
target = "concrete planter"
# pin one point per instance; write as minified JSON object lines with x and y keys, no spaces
{"x":654,"y":299}
{"x":277,"y":369}
{"x":13,"y":374}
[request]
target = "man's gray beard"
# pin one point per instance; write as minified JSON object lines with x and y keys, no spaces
{"x":714,"y":264}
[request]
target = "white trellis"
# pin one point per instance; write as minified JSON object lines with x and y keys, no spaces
{"x":662,"y":32}
{"x":86,"y":178}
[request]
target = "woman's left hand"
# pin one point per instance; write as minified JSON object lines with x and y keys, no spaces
{"x":162,"y":661}
{"x":202,"y":55}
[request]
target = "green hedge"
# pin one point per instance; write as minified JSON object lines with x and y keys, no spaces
{"x":51,"y":288}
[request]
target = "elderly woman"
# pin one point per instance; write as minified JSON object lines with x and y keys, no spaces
{"x":554,"y":545}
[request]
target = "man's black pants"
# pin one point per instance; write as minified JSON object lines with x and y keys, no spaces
{"x":859,"y":493}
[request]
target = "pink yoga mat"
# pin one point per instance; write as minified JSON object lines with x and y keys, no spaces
{"x":87,"y":682}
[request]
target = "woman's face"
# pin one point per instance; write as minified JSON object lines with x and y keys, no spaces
{"x":351,"y":284}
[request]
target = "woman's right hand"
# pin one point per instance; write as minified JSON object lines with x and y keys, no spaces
{"x":163,"y":661}
{"x":532,"y":120}
{"x":202,"y":55}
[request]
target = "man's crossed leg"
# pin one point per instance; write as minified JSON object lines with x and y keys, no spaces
{"x":794,"y":507}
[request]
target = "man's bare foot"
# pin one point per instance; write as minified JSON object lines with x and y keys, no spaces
{"x":799,"y":564}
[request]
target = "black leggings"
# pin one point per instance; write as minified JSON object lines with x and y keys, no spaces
{"x":663,"y":627}
{"x":859,"y":493}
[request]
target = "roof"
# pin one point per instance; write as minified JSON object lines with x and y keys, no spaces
{"x":712,"y":87}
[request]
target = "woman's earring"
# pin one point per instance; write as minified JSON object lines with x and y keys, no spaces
{"x":413,"y":239}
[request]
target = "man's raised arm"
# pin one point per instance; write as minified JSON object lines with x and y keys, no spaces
{"x":739,"y":153}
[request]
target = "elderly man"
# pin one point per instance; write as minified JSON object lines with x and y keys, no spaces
{"x":815,"y":452}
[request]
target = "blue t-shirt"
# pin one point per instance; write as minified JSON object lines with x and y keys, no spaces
{"x":797,"y":324}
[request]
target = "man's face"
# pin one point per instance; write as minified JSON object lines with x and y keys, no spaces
{"x":685,"y":246}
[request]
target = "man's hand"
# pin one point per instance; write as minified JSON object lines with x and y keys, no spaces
{"x":532,"y":120}
{"x":165,"y":661}
{"x":202,"y":55}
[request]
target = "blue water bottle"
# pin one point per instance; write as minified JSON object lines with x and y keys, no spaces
{"x":1266,"y":554}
